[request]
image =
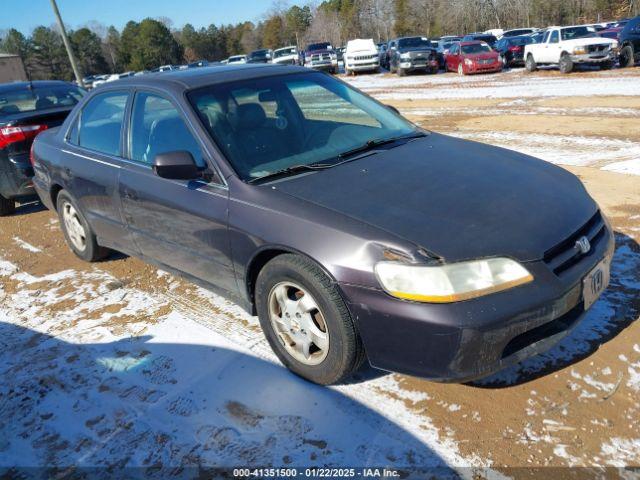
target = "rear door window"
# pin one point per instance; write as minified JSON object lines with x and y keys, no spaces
{"x":555,"y":37}
{"x":158,"y":127}
{"x":100,"y":123}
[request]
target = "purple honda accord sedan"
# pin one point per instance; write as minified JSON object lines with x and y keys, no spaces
{"x":353,"y":234}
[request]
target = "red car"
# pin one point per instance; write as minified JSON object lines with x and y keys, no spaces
{"x":472,"y":57}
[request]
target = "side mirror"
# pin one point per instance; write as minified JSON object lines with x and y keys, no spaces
{"x":178,"y":165}
{"x":393,"y":109}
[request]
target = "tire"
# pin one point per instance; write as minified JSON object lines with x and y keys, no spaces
{"x":77,"y":232}
{"x":7,"y":206}
{"x":627,"y":59}
{"x":344,"y":352}
{"x":566,"y":64}
{"x":530,"y":64}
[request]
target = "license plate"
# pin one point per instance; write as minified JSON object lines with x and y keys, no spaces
{"x":595,"y":283}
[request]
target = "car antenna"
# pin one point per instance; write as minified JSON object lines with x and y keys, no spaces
{"x":30,"y":86}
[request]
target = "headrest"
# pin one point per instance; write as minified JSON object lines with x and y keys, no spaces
{"x":43,"y":103}
{"x":247,"y":116}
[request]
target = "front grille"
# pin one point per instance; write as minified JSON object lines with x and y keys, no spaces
{"x":549,"y":329}
{"x":566,"y":254}
{"x":323,"y":57}
{"x":598,"y":48}
{"x":485,"y":61}
{"x":365,"y":57}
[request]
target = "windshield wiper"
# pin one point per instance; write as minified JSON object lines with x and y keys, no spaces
{"x":291,"y":171}
{"x":371,"y":144}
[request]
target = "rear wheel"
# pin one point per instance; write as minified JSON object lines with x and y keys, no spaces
{"x":566,"y":64}
{"x":7,"y":206}
{"x":626,"y":57}
{"x":530,"y":64}
{"x":306,"y":320}
{"x":77,"y":232}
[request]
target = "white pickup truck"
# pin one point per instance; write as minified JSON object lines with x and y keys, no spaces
{"x":570,"y":46}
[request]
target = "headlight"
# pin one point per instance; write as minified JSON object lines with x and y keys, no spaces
{"x":468,"y":61}
{"x":580,"y":50}
{"x":453,"y":282}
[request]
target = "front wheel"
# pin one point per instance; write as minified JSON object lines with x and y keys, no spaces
{"x":566,"y":64}
{"x":627,"y":57}
{"x":77,"y":232}
{"x":7,"y":206}
{"x":306,"y":321}
{"x":530,"y":64}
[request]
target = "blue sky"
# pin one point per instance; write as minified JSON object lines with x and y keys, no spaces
{"x":26,"y":15}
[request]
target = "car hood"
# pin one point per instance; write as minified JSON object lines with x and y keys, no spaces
{"x":457,"y":199}
{"x":588,"y":41}
{"x":481,"y":56}
{"x":416,"y":49}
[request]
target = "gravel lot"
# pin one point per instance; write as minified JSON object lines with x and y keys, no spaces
{"x":118,"y":363}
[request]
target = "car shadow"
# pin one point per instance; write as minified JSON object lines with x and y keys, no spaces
{"x":141,"y":403}
{"x":618,"y":308}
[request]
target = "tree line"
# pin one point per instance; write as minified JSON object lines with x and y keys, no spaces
{"x":151,"y":42}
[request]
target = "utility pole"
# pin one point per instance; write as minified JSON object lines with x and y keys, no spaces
{"x":67,"y":44}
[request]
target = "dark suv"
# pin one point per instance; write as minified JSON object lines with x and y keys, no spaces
{"x":409,"y":54}
{"x":26,"y":109}
{"x":630,"y":43}
{"x":260,"y":56}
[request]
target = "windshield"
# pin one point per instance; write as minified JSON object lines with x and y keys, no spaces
{"x":414,"y":42}
{"x":259,"y":53}
{"x":284,"y":51}
{"x":319,"y":46}
{"x":476,"y":48}
{"x":575,"y":32}
{"x":520,"y":41}
{"x":265,"y":125}
{"x":38,"y":98}
{"x":239,"y":58}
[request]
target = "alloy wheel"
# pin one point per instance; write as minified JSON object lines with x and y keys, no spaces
{"x":73,"y":226}
{"x":299,"y":323}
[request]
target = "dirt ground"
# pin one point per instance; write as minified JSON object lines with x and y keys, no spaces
{"x":578,"y":405}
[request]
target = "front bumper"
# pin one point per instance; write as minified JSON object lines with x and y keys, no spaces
{"x":462,"y":341}
{"x":594,"y":58}
{"x":363,"y":66}
{"x":419,"y":64}
{"x":16,"y":174}
{"x":483,"y":67}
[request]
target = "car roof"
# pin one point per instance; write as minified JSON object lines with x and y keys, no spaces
{"x":6,"y":87}
{"x":471,"y":42}
{"x":200,"y":77}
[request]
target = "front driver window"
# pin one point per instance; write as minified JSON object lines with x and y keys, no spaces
{"x":158,"y":127}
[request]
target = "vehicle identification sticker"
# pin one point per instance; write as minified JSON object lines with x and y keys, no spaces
{"x":595,"y":283}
